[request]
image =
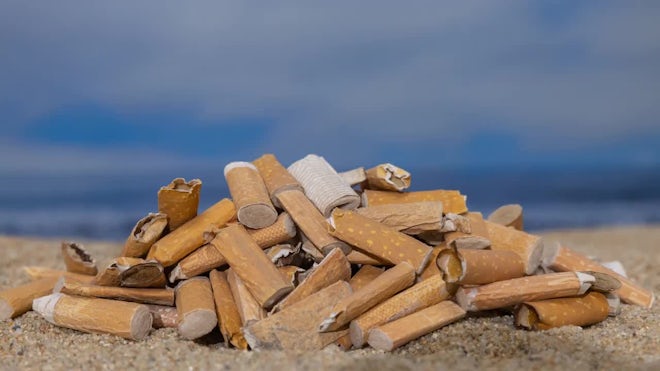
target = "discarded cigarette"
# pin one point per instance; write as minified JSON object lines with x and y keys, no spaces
{"x":188,"y":237}
{"x":324,"y":187}
{"x":388,"y":177}
{"x":419,"y":296}
{"x":397,"y":333}
{"x":251,"y":264}
{"x":195,"y":308}
{"x":121,"y":318}
{"x":228,"y":317}
{"x":479,"y":267}
{"x":18,"y":300}
{"x":410,"y":218}
{"x":145,"y":233}
{"x":452,"y":201}
{"x":335,"y":267}
{"x":528,"y":246}
{"x":275,"y":177}
{"x":354,"y":177}
{"x":281,"y":231}
{"x":144,"y":296}
{"x":37,"y":273}
{"x":365,"y":275}
{"x":247,"y":189}
{"x":132,"y":272}
{"x":310,"y":221}
{"x":295,"y":328}
{"x":508,"y":216}
{"x":77,"y":260}
{"x":381,"y":288}
{"x":358,"y":257}
{"x":560,"y":258}
{"x":248,"y":308}
{"x":163,"y":316}
{"x":179,"y":200}
{"x":584,"y":310}
{"x":477,"y":238}
{"x":379,"y":240}
{"x":518,"y":290}
{"x":432,"y":268}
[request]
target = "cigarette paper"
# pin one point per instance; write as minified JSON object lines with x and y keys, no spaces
{"x":508,"y":216}
{"x":163,"y":316}
{"x":195,"y":308}
{"x":179,"y":200}
{"x":388,"y":177}
{"x":397,"y":333}
{"x":528,"y":246}
{"x":170,"y":249}
{"x":145,"y":233}
{"x":121,"y":318}
{"x":247,"y":189}
{"x":248,"y":308}
{"x":453,"y":222}
{"x":452,"y":201}
{"x":379,"y":240}
{"x":275,"y":176}
{"x":228,"y":317}
{"x":584,"y":310}
{"x":132,"y":272}
{"x":18,"y":300}
{"x":410,"y":218}
{"x":479,"y":267}
{"x":365,"y":275}
{"x":138,"y":295}
{"x":476,"y":238}
{"x":354,"y":177}
{"x":37,"y":273}
{"x":381,"y":288}
{"x":281,"y":231}
{"x":77,"y":260}
{"x":111,"y":274}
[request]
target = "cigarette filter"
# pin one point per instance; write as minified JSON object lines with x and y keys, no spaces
{"x":18,"y":300}
{"x":228,"y":317}
{"x":77,"y":260}
{"x":163,"y":316}
{"x":281,"y":231}
{"x":452,"y":201}
{"x":275,"y":177}
{"x":195,"y":308}
{"x":528,"y":246}
{"x":479,"y":267}
{"x":584,"y":310}
{"x":179,"y":200}
{"x":145,"y":296}
{"x":410,"y":218}
{"x":145,"y":233}
{"x":254,"y":209}
{"x":388,"y":177}
{"x":354,"y":177}
{"x":508,"y":216}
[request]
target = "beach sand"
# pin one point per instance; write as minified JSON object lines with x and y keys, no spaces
{"x":629,"y":341}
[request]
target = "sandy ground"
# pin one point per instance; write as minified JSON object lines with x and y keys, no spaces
{"x":630,"y":341}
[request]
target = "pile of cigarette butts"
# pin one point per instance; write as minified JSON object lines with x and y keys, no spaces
{"x":302,"y":258}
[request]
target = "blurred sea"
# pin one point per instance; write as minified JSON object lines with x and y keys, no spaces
{"x":106,"y":206}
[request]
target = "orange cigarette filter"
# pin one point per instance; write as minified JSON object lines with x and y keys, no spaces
{"x":179,"y":200}
{"x":452,"y":201}
{"x":479,"y":267}
{"x":275,"y":176}
{"x":584,"y":310}
{"x":388,"y":177}
{"x":254,"y":208}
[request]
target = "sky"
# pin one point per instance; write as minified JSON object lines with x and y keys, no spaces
{"x":127,"y":86}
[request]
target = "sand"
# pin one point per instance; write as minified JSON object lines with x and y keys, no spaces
{"x":630,"y":341}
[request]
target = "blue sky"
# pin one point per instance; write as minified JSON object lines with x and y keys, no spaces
{"x":93,"y":86}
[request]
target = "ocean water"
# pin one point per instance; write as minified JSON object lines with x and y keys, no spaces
{"x":106,"y":206}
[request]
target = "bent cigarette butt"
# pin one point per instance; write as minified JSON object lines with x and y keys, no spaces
{"x":275,"y":176}
{"x":145,"y":233}
{"x":416,"y":297}
{"x":229,"y":319}
{"x":121,"y":318}
{"x":508,"y":216}
{"x":397,"y":333}
{"x":452,"y":201}
{"x":295,"y":328}
{"x":583,"y":310}
{"x":132,"y":272}
{"x":476,"y":238}
{"x":365,"y":275}
{"x":518,"y":290}
{"x":163,"y":316}
{"x":379,"y":240}
{"x":334,"y":267}
{"x":138,"y":295}
{"x":248,"y":308}
{"x":479,"y":267}
{"x":170,"y":249}
{"x":560,"y":258}
{"x":281,"y":231}
{"x":77,"y":260}
{"x":179,"y":200}
{"x":37,"y":273}
{"x":247,"y":189}
{"x":18,"y":300}
{"x":388,"y":177}
{"x":528,"y":246}
{"x":381,"y":288}
{"x":195,"y":307}
{"x":354,"y":177}
{"x":410,"y":218}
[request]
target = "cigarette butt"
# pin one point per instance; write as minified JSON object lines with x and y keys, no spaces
{"x":381,"y":288}
{"x":397,"y":333}
{"x":508,"y":216}
{"x":452,"y":201}
{"x":379,"y":240}
{"x":354,"y":177}
{"x":419,"y":296}
{"x":476,"y":238}
{"x":324,"y":187}
{"x":275,"y":176}
{"x":247,"y":189}
{"x":310,"y":221}
{"x":584,"y":310}
{"x":18,"y":300}
{"x":410,"y":218}
{"x":365,"y":275}
{"x":295,"y":328}
{"x":281,"y":231}
{"x":121,"y":318}
{"x":163,"y":316}
{"x":179,"y":200}
{"x":528,"y":246}
{"x":358,"y":257}
{"x":248,"y":308}
{"x":388,"y":177}
{"x":334,"y":267}
{"x":195,"y":308}
{"x":479,"y":267}
{"x":170,"y":249}
{"x":132,"y":272}
{"x":561,"y":258}
{"x":138,"y":295}
{"x":518,"y":290}
{"x":228,"y":317}
{"x":145,"y":233}
{"x":37,"y":273}
{"x":432,"y":268}
{"x":344,"y":343}
{"x":77,"y":260}
{"x":251,"y":264}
